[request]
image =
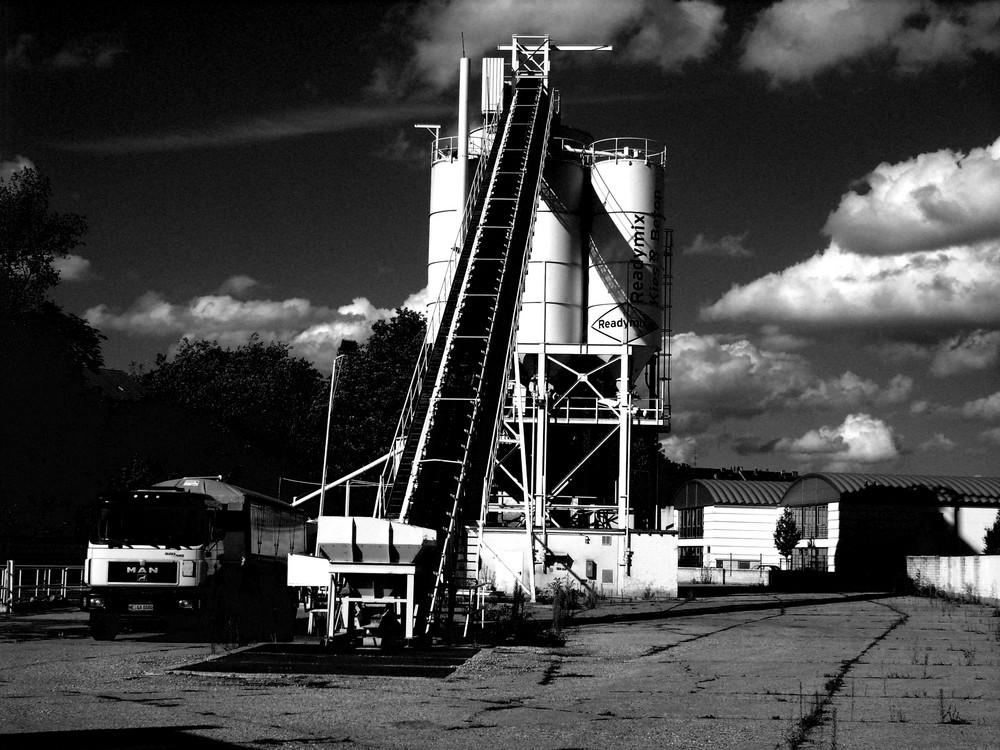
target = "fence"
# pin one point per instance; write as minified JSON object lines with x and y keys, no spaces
{"x":36,"y":584}
{"x":723,"y":576}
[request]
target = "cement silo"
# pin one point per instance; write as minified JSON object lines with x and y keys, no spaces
{"x":554,"y":288}
{"x":626,"y":281}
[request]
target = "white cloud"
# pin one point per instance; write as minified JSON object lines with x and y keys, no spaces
{"x":314,"y":332}
{"x":682,"y":450}
{"x":729,"y":246}
{"x":978,"y":350}
{"x":983,"y":408}
{"x":958,"y":286}
{"x":793,"y":40}
{"x":718,"y":377}
{"x":859,"y":441}
{"x":921,"y":247}
{"x":937,"y":443}
{"x":936,"y":200}
{"x":7,"y":168}
{"x":72,"y":267}
{"x":667,"y":34}
{"x":851,"y":391}
{"x":238,"y":285}
{"x":991,"y":436}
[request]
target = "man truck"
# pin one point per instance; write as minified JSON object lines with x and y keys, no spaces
{"x":193,"y":553}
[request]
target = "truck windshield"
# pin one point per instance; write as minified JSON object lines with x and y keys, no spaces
{"x":160,"y":525}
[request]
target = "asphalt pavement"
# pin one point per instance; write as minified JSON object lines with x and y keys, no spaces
{"x":750,"y":671}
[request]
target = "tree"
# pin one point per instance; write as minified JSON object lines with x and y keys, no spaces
{"x":991,"y":542}
{"x":786,"y":534}
{"x":31,"y":238}
{"x":372,"y":389}
{"x":259,"y":390}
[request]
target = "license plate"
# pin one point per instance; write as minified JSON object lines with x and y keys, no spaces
{"x":140,"y":608}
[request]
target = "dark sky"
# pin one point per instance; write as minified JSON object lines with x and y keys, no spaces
{"x":833,"y":182}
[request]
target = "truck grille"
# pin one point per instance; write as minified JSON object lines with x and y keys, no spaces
{"x":142,"y":572}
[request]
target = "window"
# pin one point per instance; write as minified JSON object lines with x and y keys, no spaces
{"x":692,"y":523}
{"x":811,"y":521}
{"x":607,"y":576}
{"x":606,"y":540}
{"x":810,"y":558}
{"x":689,"y":557}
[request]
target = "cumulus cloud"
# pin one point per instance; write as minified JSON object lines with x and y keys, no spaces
{"x":314,"y":332}
{"x":716,"y":377}
{"x":853,"y":391}
{"x":72,"y":268}
{"x":922,"y":246}
{"x":682,"y":450}
{"x":956,"y":287}
{"x":937,"y":443}
{"x":238,"y":285}
{"x":967,"y":352}
{"x":983,"y":408}
{"x":667,"y":34}
{"x":936,"y":200}
{"x":859,"y":441}
{"x":7,"y":168}
{"x":793,"y":40}
{"x":991,"y":436}
{"x":729,"y":246}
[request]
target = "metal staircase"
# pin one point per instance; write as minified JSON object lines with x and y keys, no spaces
{"x":445,"y":462}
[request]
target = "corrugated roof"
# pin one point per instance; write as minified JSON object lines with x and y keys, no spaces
{"x":824,"y":487}
{"x":701,"y":492}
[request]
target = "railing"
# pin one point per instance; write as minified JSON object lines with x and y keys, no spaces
{"x":590,"y":408}
{"x":446,"y":148}
{"x":635,"y":149}
{"x":33,"y":584}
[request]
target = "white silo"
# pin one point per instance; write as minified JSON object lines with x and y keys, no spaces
{"x":449,"y":177}
{"x":552,"y":304}
{"x":627,"y":245}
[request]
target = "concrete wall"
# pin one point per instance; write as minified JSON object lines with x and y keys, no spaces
{"x":653,"y":570}
{"x":972,"y":575}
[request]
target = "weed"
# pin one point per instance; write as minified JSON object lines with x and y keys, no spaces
{"x":949,"y":714}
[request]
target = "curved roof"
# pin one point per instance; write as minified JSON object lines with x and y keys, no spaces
{"x":697,"y":493}
{"x":827,"y":487}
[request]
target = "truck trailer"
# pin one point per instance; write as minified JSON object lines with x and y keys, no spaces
{"x":193,"y":553}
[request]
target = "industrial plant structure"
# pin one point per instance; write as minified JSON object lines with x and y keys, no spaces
{"x":528,"y":441}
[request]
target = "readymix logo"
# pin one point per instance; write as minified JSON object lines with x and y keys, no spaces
{"x":625,"y":323}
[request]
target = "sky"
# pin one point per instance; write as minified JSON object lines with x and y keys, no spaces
{"x":832,"y":181}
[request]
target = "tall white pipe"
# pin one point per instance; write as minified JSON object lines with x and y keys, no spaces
{"x":463,"y":130}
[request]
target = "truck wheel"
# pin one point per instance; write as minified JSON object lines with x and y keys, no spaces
{"x":103,"y":626}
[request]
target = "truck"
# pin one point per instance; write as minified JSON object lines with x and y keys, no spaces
{"x":194,"y":553}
